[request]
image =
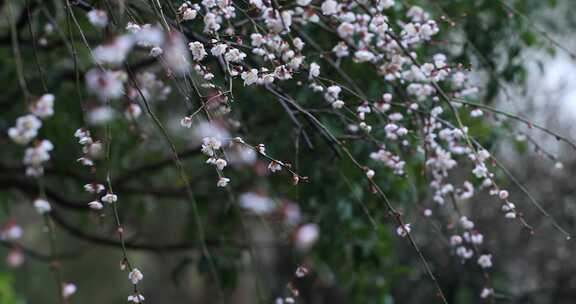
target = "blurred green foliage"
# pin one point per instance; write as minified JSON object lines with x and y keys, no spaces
{"x":361,"y":255}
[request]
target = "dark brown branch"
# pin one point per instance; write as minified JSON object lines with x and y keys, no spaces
{"x":22,"y":21}
{"x":148,"y":168}
{"x":157,"y":248}
{"x":33,"y":254}
{"x":31,"y":189}
{"x":137,"y":66}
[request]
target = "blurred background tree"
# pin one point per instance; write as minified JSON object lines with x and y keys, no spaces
{"x":330,"y":225}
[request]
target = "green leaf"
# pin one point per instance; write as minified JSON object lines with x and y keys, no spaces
{"x":528,"y":37}
{"x":7,"y":293}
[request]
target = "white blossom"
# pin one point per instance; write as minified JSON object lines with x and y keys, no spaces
{"x":93,"y":150}
{"x":385,"y":4}
{"x":346,"y":30}
{"x":135,"y":276}
{"x":298,"y":43}
{"x":455,"y":240}
{"x":156,"y":51}
{"x":106,"y":84}
{"x":464,"y":252}
{"x":212,"y":22}
{"x":186,"y":122}
{"x":198,"y":51}
{"x":35,"y":156}
{"x":96,"y":205}
{"x":189,"y":14}
{"x":234,"y":55}
{"x":133,"y":111}
{"x":274,"y":166}
{"x":114,"y":52}
{"x":98,"y":18}
{"x":466,"y":223}
{"x":314,"y":70}
{"x":220,"y":163}
{"x":480,"y":171}
{"x":15,"y":258}
{"x":338,"y":104}
{"x":68,"y":289}
{"x":341,"y":50}
{"x":210,"y":145}
{"x":485,"y":261}
{"x":44,"y":106}
{"x":256,"y":203}
{"x":332,"y":93}
{"x":149,"y":36}
{"x":404,"y":230}
{"x":219,"y":49}
{"x":330,"y":7}
{"x":306,"y":236}
{"x":477,"y":238}
{"x":396,"y":116}
{"x":301,"y":272}
{"x":370,"y":173}
{"x":364,"y":56}
{"x":486,"y":292}
{"x":136,"y":298}
{"x":100,"y":115}
{"x":25,"y":130}
{"x":256,"y":39}
{"x":250,"y":77}
{"x":476,"y":113}
{"x":468,"y":191}
{"x":42,"y":206}
{"x":110,"y":198}
{"x":85,"y":161}
{"x":281,"y":72}
{"x":12,"y":232}
{"x":176,"y":53}
{"x":222,"y":182}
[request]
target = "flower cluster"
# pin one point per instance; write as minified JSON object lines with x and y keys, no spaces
{"x":364,"y":35}
{"x":211,"y":147}
{"x":216,"y":48}
{"x":26,"y":130}
{"x":135,"y":276}
{"x":91,"y":149}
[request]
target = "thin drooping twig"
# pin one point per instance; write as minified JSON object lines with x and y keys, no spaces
{"x":35,"y":48}
{"x":531,"y":197}
{"x":397,"y":216}
{"x":540,"y":31}
{"x":533,"y":201}
{"x":55,"y":263}
{"x":528,"y":122}
{"x":17,"y":54}
{"x":119,"y":227}
{"x":183,"y":177}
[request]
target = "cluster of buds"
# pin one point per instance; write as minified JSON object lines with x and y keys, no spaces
{"x":135,"y":276}
{"x":91,"y":149}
